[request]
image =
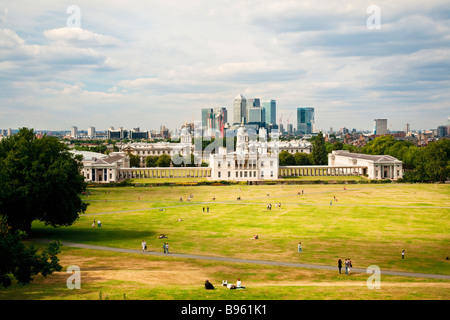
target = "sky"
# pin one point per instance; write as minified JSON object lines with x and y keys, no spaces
{"x":150,"y":63}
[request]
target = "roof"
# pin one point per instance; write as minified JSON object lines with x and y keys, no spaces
{"x":375,"y":158}
{"x":89,"y":155}
{"x":239,"y":97}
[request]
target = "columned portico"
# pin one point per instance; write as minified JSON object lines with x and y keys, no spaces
{"x":172,"y":172}
{"x":307,"y":171}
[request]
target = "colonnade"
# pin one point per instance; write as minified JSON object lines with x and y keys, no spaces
{"x":308,"y":171}
{"x":172,"y":172}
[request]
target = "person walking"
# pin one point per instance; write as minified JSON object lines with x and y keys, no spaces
{"x":144,"y":245}
{"x":167,"y":247}
{"x":349,"y":265}
{"x":207,"y":209}
{"x":403,"y":254}
{"x":340,"y":265}
{"x":300,"y":247}
{"x":203,"y":209}
{"x":346,"y":266}
{"x":164,"y":247}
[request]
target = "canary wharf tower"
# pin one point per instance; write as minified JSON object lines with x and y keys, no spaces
{"x":239,"y":109}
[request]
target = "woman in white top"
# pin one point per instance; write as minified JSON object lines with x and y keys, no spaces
{"x":239,"y":285}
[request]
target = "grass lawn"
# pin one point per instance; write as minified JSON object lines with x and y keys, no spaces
{"x":371,"y":224}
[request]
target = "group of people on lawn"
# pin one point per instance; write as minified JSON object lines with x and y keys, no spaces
{"x":238,"y":285}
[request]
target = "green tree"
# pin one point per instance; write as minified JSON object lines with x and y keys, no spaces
{"x":135,"y":161}
{"x":437,"y":160}
{"x":150,"y":161}
{"x":337,"y":145}
{"x":39,"y":180}
{"x":163,"y":161}
{"x":302,"y":159}
{"x":21,"y":262}
{"x":286,"y":159}
{"x":319,"y":152}
{"x":379,"y":145}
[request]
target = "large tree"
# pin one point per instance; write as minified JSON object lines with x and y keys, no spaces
{"x":319,"y":152}
{"x":163,"y":161}
{"x":23,"y":262}
{"x":39,"y":180}
{"x":286,"y":159}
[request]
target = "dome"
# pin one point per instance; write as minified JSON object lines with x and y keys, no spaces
{"x":242,"y":131}
{"x":185,"y":131}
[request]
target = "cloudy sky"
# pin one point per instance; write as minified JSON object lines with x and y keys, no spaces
{"x":146,"y":63}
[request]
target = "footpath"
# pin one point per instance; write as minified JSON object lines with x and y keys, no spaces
{"x":236,"y":260}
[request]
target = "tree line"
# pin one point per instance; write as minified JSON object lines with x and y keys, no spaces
{"x":421,"y":164}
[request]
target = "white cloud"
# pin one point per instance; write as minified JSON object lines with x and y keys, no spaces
{"x":79,"y":37}
{"x":147,"y":57}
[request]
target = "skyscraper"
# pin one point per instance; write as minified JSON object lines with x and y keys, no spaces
{"x":239,"y":109}
{"x":270,"y":110}
{"x":221,"y":118}
{"x":255,"y":115}
{"x":91,"y":132}
{"x":305,"y":120}
{"x":74,"y":132}
{"x":380,"y":126}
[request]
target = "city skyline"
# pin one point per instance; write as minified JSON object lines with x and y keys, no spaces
{"x":145,"y":63}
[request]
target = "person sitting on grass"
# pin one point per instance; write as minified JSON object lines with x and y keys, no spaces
{"x":239,"y":285}
{"x":231,"y":286}
{"x":208,"y":285}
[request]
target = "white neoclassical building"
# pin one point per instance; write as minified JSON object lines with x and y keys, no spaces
{"x":101,"y":168}
{"x":250,"y":161}
{"x":376,"y":166}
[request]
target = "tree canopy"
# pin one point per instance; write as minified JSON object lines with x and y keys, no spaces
{"x":22,"y":262}
{"x":39,"y":180}
{"x":421,"y":164}
{"x":319,"y":152}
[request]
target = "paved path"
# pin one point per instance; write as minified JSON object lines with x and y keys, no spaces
{"x":236,"y":260}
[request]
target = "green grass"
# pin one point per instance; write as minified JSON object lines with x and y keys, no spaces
{"x":371,"y":224}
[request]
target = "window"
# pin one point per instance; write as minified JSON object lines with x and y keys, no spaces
{"x":262,"y":163}
{"x":219,"y":174}
{"x":229,"y":174}
{"x":262,"y":174}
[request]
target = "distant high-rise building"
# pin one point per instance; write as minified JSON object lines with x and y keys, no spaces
{"x":221,"y":118}
{"x":380,"y":126}
{"x":117,"y":134}
{"x":239,"y":110}
{"x":253,"y":103}
{"x":74,"y":132}
{"x":408,"y":129}
{"x":91,"y":132}
{"x":305,"y":120}
{"x":208,"y":121}
{"x":255,"y":115}
{"x":270,"y":110}
{"x":289,"y":129}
